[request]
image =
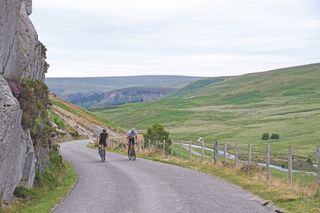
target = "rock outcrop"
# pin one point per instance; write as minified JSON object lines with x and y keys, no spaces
{"x":12,"y":142}
{"x":21,"y":56}
{"x":21,"y":53}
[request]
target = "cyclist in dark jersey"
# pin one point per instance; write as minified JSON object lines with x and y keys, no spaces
{"x":103,"y":138}
{"x":102,"y":144}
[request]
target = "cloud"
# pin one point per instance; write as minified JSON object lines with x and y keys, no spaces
{"x":194,"y":37}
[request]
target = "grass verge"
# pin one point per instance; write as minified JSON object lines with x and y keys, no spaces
{"x":50,"y":188}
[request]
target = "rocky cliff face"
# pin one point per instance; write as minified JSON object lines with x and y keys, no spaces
{"x":21,"y":56}
{"x":21,"y":53}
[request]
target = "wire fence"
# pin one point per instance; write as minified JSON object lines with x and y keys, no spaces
{"x":288,"y":167}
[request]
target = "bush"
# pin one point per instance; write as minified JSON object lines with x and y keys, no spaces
{"x":74,"y":133}
{"x":158,"y":133}
{"x":250,"y":169}
{"x":275,"y":136}
{"x":309,"y":161}
{"x":50,"y":177}
{"x":22,"y":192}
{"x":56,"y":119}
{"x":265,"y":136}
{"x":34,"y":102}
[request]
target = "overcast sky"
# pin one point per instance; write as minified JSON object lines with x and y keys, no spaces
{"x":176,"y":37}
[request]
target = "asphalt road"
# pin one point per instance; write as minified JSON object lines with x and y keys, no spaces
{"x":123,"y":186}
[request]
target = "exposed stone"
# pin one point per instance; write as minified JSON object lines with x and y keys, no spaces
{"x":12,"y":146}
{"x":42,"y":159}
{"x":21,"y":53}
{"x":29,"y":172}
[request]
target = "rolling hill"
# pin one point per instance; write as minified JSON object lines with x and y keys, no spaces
{"x":237,"y":109}
{"x":119,"y":97}
{"x":100,"y":92}
{"x":64,"y":87}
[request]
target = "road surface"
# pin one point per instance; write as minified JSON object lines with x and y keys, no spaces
{"x":123,"y":186}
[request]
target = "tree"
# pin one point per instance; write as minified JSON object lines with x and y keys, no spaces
{"x":275,"y":136}
{"x":157,"y":133}
{"x":265,"y":136}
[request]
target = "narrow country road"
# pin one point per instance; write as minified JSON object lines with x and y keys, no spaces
{"x":123,"y":186}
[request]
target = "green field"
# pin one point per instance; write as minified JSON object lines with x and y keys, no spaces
{"x":238,"y":110}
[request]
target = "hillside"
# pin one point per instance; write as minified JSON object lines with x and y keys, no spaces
{"x":119,"y":97}
{"x":237,"y":109}
{"x":64,"y":87}
{"x":80,"y":119}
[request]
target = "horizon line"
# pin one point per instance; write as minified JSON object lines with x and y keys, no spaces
{"x":190,"y":76}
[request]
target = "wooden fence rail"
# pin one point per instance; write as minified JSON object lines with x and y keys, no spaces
{"x":188,"y":146}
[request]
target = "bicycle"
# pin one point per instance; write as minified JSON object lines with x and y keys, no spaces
{"x":102,"y":153}
{"x":131,"y":152}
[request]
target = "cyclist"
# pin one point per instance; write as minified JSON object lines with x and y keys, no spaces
{"x":102,"y":144}
{"x":132,"y":139}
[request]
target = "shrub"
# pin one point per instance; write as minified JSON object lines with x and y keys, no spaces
{"x":265,"y":136}
{"x":57,"y":120}
{"x":74,"y":133}
{"x":22,"y":192}
{"x":158,"y":133}
{"x":275,"y":136}
{"x":250,"y":169}
{"x":15,"y":88}
{"x":55,"y":158}
{"x":34,"y":102}
{"x":309,"y":161}
{"x":50,"y":177}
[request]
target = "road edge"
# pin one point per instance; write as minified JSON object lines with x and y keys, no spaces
{"x":70,"y":191}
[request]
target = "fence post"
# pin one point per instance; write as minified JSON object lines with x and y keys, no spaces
{"x":164,"y":148}
{"x":143,"y":145}
{"x":318,"y":157}
{"x":180,"y":151}
{"x":202,"y":150}
{"x":216,"y":152}
{"x":268,"y":161}
{"x":250,"y":154}
{"x":290,"y":165}
{"x":156,"y":144}
{"x":225,"y":153}
{"x":172,"y":149}
{"x":149,"y":144}
{"x":236,"y":155}
{"x":190,"y":150}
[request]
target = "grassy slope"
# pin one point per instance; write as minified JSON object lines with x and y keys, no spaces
{"x":238,"y":109}
{"x":82,"y":114}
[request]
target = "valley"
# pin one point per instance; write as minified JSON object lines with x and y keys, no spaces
{"x":237,"y":110}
